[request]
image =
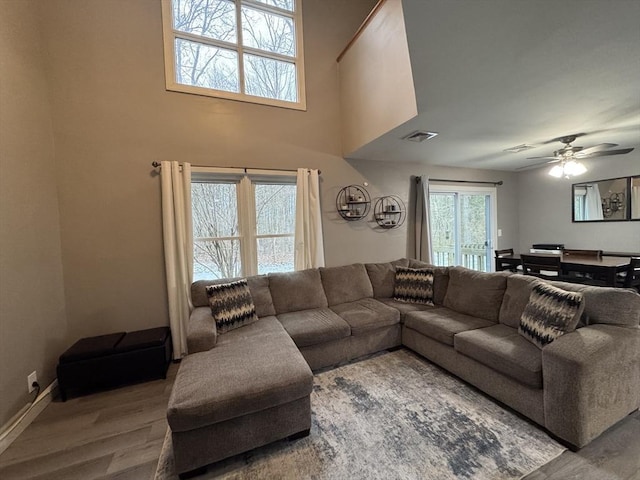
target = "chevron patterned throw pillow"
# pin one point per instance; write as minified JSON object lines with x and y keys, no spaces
{"x":550,"y":313}
{"x":231,"y":305}
{"x":414,"y":285}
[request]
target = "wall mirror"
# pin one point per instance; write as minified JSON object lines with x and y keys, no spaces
{"x":634,"y":193}
{"x":601,"y":200}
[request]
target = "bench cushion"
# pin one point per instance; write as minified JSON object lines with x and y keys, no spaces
{"x":311,"y":327}
{"x":140,"y":339}
{"x":367,"y":314}
{"x":504,"y":350}
{"x":92,"y":347}
{"x":442,"y":324}
{"x":260,"y":369}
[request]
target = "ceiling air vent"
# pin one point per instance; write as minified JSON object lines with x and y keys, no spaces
{"x":519,"y":148}
{"x":419,"y":136}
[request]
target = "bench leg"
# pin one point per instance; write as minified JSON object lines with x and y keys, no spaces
{"x":302,"y":434}
{"x":192,"y":473}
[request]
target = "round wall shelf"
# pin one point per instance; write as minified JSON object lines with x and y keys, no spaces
{"x":353,"y":202}
{"x":389,"y":211}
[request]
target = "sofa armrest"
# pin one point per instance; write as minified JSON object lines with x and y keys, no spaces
{"x":591,"y":380}
{"x":201,"y":331}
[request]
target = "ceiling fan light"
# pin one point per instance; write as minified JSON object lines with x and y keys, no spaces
{"x":573,"y":168}
{"x":556,"y":171}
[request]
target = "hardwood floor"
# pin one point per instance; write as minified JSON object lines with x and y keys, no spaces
{"x":118,"y":434}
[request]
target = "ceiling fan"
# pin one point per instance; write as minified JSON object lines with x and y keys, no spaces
{"x":568,"y":156}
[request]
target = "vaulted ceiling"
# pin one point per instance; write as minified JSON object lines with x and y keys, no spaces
{"x":493,"y":74}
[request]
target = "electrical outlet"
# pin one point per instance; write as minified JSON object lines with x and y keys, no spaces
{"x":31,"y":379}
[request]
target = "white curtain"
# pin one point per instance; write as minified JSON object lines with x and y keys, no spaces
{"x":593,"y":203}
{"x":178,"y":249}
{"x":635,"y":201}
{"x":423,"y":229}
{"x":309,"y":247}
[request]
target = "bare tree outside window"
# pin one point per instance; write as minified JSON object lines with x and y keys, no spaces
{"x":218,"y":236}
{"x":207,"y":53}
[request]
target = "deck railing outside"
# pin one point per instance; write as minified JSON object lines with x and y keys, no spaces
{"x":474,"y":256}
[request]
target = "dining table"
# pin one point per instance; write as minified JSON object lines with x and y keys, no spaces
{"x":605,"y":268}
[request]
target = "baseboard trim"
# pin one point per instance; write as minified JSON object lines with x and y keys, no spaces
{"x":14,"y":427}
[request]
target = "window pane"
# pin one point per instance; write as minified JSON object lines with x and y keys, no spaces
{"x":202,"y":65}
{"x":284,"y":4}
{"x":275,"y":255}
{"x":269,"y":78}
{"x":473,"y":231}
{"x":209,"y":18}
{"x":215,"y":210}
{"x":216,"y":259}
{"x":265,"y":31}
{"x":275,"y":209}
{"x":443,"y":214}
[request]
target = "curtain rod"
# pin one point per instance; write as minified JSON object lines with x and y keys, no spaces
{"x":500,"y":182}
{"x":158,"y":164}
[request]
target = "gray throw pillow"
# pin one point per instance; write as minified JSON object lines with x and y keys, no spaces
{"x":231,"y":305}
{"x":413,"y":285}
{"x":550,"y":313}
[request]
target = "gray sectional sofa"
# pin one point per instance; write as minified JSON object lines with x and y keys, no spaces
{"x":251,"y":386}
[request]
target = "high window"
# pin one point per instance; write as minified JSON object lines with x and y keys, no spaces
{"x":248,"y":50}
{"x":242,"y":225}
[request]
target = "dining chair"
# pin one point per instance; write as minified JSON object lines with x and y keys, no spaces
{"x":501,"y":266}
{"x":549,"y":267}
{"x":632,"y":278}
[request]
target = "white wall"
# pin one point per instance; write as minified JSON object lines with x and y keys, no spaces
{"x":33,"y":327}
{"x":545,"y":208}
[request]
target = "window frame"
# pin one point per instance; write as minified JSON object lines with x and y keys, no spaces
{"x":246,"y":203}
{"x":170,"y":35}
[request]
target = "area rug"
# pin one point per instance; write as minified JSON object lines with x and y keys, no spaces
{"x":393,"y":416}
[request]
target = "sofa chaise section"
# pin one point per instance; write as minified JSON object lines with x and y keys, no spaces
{"x":253,"y":388}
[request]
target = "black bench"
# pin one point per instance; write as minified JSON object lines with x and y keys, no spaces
{"x":113,"y":360}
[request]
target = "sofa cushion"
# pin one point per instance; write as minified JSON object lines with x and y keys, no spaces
{"x":314,"y":326}
{"x":382,"y":276}
{"x":442,"y":324}
{"x":516,"y":297}
{"x":267,"y":370}
{"x":258,"y":286}
{"x":404,"y":307}
{"x":440,"y":279}
{"x":413,"y":285}
{"x":475,"y":293}
{"x":550,"y":313}
{"x":231,"y":305}
{"x":346,"y":284}
{"x":366,"y":314}
{"x":502,"y":349}
{"x":294,"y":291}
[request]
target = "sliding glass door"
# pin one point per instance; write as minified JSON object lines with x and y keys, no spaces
{"x":463,"y":226}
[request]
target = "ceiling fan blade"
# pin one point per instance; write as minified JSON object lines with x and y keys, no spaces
{"x":596,"y":148}
{"x":605,"y":153}
{"x":539,"y":164}
{"x":556,"y":159}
